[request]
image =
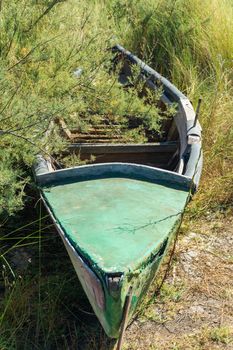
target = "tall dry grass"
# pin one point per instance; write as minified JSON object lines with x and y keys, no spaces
{"x":191,"y":43}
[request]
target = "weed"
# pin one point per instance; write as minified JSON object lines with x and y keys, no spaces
{"x":170,"y":292}
{"x":221,"y":335}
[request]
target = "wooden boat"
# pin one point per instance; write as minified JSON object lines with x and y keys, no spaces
{"x":117,"y":216}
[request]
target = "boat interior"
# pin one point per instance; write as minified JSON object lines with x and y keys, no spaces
{"x":104,"y":142}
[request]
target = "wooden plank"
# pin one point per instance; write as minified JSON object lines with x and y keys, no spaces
{"x":64,"y":127}
{"x":145,"y":158}
{"x":98,"y":128}
{"x":172,"y":131}
{"x":99,"y":141}
{"x":95,"y":137}
{"x":169,"y":146}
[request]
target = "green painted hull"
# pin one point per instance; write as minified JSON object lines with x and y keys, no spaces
{"x":116,"y":228}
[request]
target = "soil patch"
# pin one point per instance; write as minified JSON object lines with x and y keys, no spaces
{"x":195,"y":308}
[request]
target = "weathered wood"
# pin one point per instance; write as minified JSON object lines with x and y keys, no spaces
{"x":157,"y":147}
{"x":47,"y":157}
{"x":154,"y":154}
{"x":100,"y":141}
{"x":86,"y":136}
{"x":64,"y":127}
{"x":172,"y":133}
{"x":97,"y":129}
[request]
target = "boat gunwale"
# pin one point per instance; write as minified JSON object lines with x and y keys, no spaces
{"x":118,"y":169}
{"x":162,"y":177}
{"x":191,"y":155}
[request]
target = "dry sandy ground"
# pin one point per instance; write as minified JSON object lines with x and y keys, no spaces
{"x":195,"y":310}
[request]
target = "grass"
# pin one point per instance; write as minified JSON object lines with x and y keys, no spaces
{"x":42,"y":305}
{"x":192,"y":51}
{"x":221,"y":335}
{"x":41,"y":46}
{"x":39,"y":310}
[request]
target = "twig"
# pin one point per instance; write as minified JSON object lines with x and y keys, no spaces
{"x":32,"y":143}
{"x":11,"y":40}
{"x":47,"y":10}
{"x":9,"y":102}
{"x":24,"y":59}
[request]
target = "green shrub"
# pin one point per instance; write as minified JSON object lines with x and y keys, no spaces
{"x":41,"y":45}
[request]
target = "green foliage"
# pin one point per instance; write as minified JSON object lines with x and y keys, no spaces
{"x":171,"y":293}
{"x":41,"y":45}
{"x":42,"y":303}
{"x":221,"y":335}
{"x":191,"y":43}
{"x":11,"y":186}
